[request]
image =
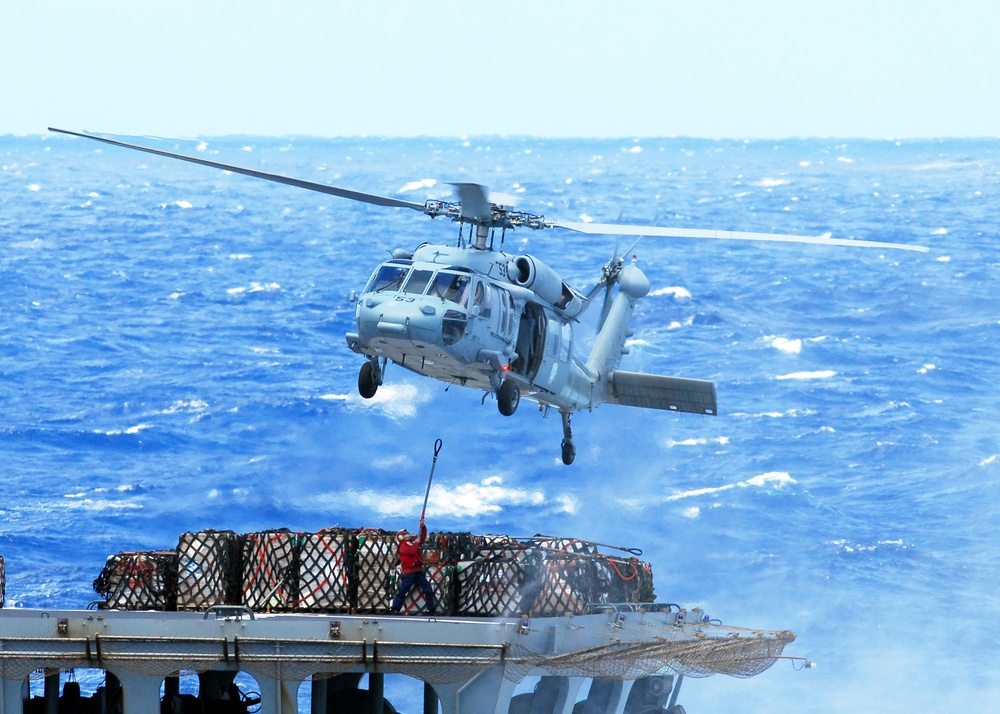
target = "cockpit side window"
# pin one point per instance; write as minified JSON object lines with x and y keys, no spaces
{"x":417,"y":281}
{"x":387,"y":278}
{"x":451,"y":287}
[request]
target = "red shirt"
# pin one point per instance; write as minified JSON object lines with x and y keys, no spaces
{"x":411,"y":555}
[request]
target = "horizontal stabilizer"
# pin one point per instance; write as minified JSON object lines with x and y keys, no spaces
{"x":652,"y":391}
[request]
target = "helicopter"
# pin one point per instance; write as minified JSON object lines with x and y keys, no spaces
{"x":471,"y":314}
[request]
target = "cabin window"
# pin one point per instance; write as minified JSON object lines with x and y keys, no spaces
{"x":483,"y":297}
{"x":451,"y":287}
{"x":417,"y":282}
{"x":387,"y":278}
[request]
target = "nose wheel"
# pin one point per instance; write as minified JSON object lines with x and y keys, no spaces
{"x":369,"y":378}
{"x":568,"y":449}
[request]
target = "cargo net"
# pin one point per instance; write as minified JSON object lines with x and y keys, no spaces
{"x":357,"y":570}
{"x":326,"y":571}
{"x":143,"y":580}
{"x":377,"y":572}
{"x":442,"y":580}
{"x":208,"y":569}
{"x":736,"y":654}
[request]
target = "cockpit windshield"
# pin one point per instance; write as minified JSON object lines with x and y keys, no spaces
{"x":451,"y":287}
{"x":417,"y":281}
{"x":387,"y":277}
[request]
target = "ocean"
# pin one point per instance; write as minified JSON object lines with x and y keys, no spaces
{"x":172,"y":358}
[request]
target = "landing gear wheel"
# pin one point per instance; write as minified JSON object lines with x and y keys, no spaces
{"x":508,"y":397}
{"x":568,"y":451}
{"x":367,"y":384}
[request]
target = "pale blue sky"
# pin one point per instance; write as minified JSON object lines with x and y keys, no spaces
{"x":750,"y":68}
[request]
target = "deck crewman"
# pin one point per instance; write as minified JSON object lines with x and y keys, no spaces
{"x":411,"y":561}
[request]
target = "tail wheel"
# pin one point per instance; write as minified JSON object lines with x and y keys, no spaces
{"x":367,"y":384}
{"x":508,"y":397}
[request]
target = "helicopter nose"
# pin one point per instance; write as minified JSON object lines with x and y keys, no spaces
{"x":396,"y":320}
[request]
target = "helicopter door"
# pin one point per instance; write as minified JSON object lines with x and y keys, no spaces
{"x":553,"y":370}
{"x":530,"y":341}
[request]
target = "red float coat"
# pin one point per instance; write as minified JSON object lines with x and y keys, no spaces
{"x":411,"y":555}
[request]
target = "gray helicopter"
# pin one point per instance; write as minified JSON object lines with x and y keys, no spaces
{"x":473,"y":315}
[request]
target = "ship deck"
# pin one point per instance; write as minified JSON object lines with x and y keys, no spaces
{"x":468,"y":665}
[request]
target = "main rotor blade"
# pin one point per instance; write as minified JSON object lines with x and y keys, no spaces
{"x":298,"y":183}
{"x":619,"y":229}
{"x":474,"y":200}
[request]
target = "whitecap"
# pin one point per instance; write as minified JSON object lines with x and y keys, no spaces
{"x":399,"y":401}
{"x":770,"y":183}
{"x":182,"y":405}
{"x":103,"y":505}
{"x":720,"y":440}
{"x":777,"y":479}
{"x":676,"y":292}
{"x":264,"y":287}
{"x":783,"y":344}
{"x":34,"y":187}
{"x":240,"y":256}
{"x":927,"y":368}
{"x":845,"y":160}
{"x":818,"y":374}
{"x":940,"y":232}
{"x":398,"y":461}
{"x":417,"y":185}
{"x":489,"y":496}
{"x":183,"y":204}
{"x":129,"y":430}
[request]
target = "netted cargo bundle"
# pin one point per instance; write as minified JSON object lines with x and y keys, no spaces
{"x":208,"y":569}
{"x":622,"y":580}
{"x":326,"y":571}
{"x":564,"y":583}
{"x":270,"y":569}
{"x":499,"y":546}
{"x":495,"y":585}
{"x":452,"y":547}
{"x":376,"y":570}
{"x":564,"y":545}
{"x":442,"y":580}
{"x":142,"y":580}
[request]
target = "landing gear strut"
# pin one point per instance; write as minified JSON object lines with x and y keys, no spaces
{"x":370,"y":377}
{"x":568,"y":450}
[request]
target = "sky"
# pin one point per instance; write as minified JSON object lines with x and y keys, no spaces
{"x":556,"y":68}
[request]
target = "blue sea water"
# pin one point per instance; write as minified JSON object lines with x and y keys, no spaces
{"x":172,"y":358}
